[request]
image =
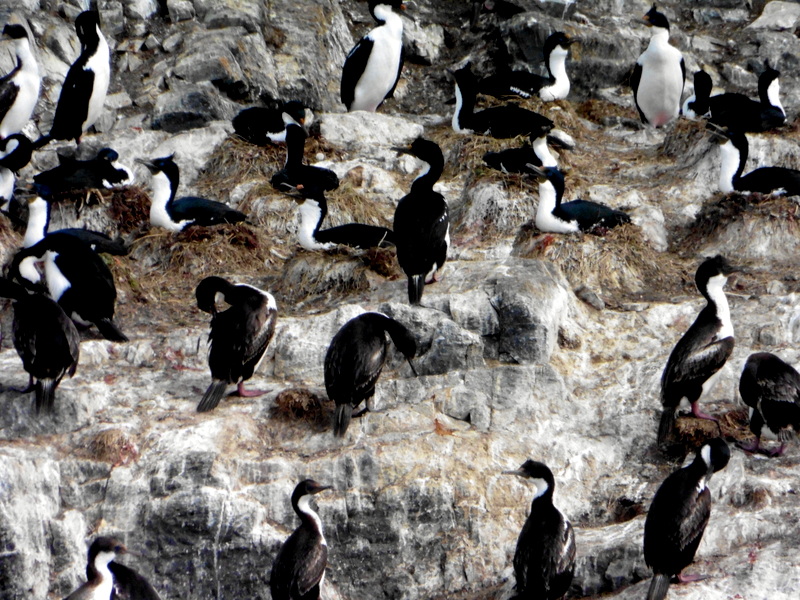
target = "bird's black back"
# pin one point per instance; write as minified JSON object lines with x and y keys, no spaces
{"x":590,"y":215}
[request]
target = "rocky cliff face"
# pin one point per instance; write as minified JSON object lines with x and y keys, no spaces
{"x":533,"y":346}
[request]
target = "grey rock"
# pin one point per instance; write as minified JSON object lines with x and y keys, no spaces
{"x":778,"y":16}
{"x":188,"y":107}
{"x":359,"y":131}
{"x":140,"y":9}
{"x":180,"y":10}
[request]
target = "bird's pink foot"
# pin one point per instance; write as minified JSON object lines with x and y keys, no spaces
{"x":243,"y":393}
{"x":700,"y":414}
{"x":751,"y":448}
{"x":690,"y":578}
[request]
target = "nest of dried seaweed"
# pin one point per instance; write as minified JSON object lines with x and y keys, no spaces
{"x":301,"y":405}
{"x":621,"y":264}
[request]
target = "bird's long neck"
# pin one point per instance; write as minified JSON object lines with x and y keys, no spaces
{"x":390,"y":20}
{"x":557,"y":67}
{"x":26,"y":57}
{"x":428,"y":176}
{"x":308,"y":516}
{"x":164,"y":189}
{"x":715,"y":294}
{"x":38,"y":222}
{"x":542,"y":151}
{"x":732,"y":161}
{"x":295,"y":146}
{"x":465,"y":104}
{"x":311,"y":216}
{"x":99,"y":574}
{"x":660,"y":39}
{"x":772,"y":95}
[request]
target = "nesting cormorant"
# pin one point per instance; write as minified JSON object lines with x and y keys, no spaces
{"x":372,"y":68}
{"x":678,"y":517}
{"x":422,"y":222}
{"x":314,"y":209}
{"x":239,"y":335}
{"x":526,"y":84}
{"x":771,"y":388}
{"x":516,"y":160}
{"x":355,"y":359}
{"x":508,"y":120}
{"x":734,"y":149}
{"x":569,"y":217}
{"x":104,"y":171}
{"x":299,"y":567}
{"x":294,"y":173}
{"x":45,"y":339}
{"x":694,"y":363}
{"x":264,"y":126}
{"x":175,"y":214}
{"x":658,"y":75}
{"x":544,"y":561}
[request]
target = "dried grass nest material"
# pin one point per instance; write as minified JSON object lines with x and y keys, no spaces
{"x":723,"y":210}
{"x":620,"y":264}
{"x":301,"y":405}
{"x":113,"y":446}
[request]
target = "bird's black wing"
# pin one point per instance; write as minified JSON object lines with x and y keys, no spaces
{"x":353,"y":364}
{"x":129,"y":585}
{"x":357,"y":235}
{"x":73,"y":105}
{"x":767,"y":179}
{"x":8,"y":93}
{"x":558,"y":562}
{"x":420,"y":230}
{"x":698,"y":354}
{"x":590,"y":214}
{"x":204,"y":212}
{"x":683,"y":76}
{"x":354,"y":66}
{"x":299,"y":566}
{"x":636,"y":77}
{"x":262,"y":323}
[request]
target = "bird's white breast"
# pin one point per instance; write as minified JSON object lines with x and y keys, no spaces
{"x":381,"y":70}
{"x":100,"y":65}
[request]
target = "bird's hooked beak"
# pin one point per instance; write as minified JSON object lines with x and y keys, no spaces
{"x":401,"y":150}
{"x":150,"y":166}
{"x":516,"y":472}
{"x":540,"y":175}
{"x":316,"y":488}
{"x":718,"y":134}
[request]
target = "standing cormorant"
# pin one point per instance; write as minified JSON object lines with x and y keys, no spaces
{"x":678,"y":517}
{"x":355,"y":359}
{"x":544,"y":561}
{"x":422,"y":222}
{"x":698,"y":356}
{"x":239,"y":335}
{"x":299,"y":568}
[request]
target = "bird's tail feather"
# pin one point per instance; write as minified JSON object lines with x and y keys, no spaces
{"x":658,"y":587}
{"x":666,"y":425}
{"x":212,"y":396}
{"x":109,"y":330}
{"x":416,"y":283}
{"x":341,"y":419}
{"x":45,"y":395}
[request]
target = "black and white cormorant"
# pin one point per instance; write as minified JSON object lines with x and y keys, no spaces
{"x":100,"y":581}
{"x":372,"y":68}
{"x":355,"y":359}
{"x":678,"y":517}
{"x":86,"y":84}
{"x":299,"y":568}
{"x":771,"y":388}
{"x":658,"y":75}
{"x":526,"y":84}
{"x":737,"y":111}
{"x":39,"y":224}
{"x":263,"y":126}
{"x":516,"y":160}
{"x":239,"y":335}
{"x":695,"y":362}
{"x":294,"y":173}
{"x":175,"y":214}
{"x":19,"y":89}
{"x":544,"y":561}
{"x":104,"y":171}
{"x":422,"y":222}
{"x":45,"y":339}
{"x":569,"y":217}
{"x":733,"y":150}
{"x":76,"y":277}
{"x":508,"y":120}
{"x":313,"y":210}
{"x":15,"y":153}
